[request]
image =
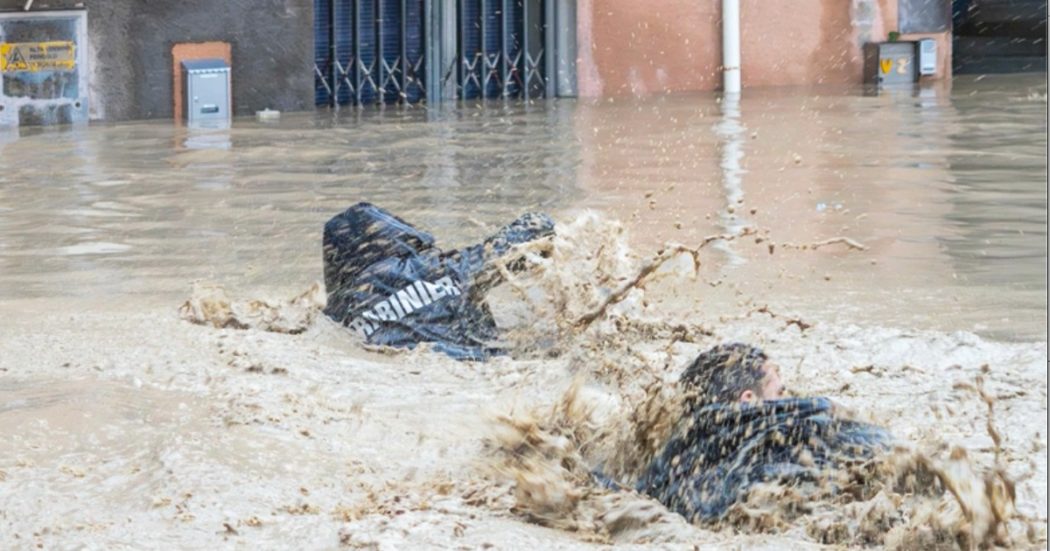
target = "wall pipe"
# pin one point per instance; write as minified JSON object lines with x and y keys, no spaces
{"x":731,"y":46}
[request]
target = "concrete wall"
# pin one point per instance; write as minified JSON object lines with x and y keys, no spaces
{"x":131,"y":43}
{"x":630,"y":47}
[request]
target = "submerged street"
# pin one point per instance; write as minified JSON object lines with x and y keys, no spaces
{"x":123,"y":425}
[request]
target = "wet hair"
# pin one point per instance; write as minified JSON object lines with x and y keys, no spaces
{"x":722,"y":373}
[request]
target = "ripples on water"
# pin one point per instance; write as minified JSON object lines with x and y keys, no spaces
{"x":947,"y":187}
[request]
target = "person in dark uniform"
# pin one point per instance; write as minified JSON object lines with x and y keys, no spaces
{"x":737,"y":430}
{"x":388,"y":281}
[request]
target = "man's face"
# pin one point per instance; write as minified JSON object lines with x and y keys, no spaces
{"x":772,"y":387}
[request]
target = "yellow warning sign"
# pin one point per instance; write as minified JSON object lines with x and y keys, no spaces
{"x":886,"y":65}
{"x":37,"y":56}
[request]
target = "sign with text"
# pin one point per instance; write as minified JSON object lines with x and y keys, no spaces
{"x":56,"y":55}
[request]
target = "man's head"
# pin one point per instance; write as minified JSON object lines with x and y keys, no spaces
{"x":732,"y":372}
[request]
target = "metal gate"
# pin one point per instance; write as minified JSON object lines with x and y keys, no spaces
{"x":368,"y":51}
{"x":380,"y":51}
{"x":500,"y":49}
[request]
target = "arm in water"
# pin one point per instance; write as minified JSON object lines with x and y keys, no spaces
{"x":479,"y":260}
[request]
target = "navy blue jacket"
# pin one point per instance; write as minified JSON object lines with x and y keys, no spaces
{"x":389,"y":282}
{"x":719,"y":451}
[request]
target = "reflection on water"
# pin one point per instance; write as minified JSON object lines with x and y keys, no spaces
{"x":946,"y":187}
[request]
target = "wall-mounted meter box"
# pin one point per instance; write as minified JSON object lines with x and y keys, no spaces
{"x":890,"y":63}
{"x":927,"y":50}
{"x":206,"y":90}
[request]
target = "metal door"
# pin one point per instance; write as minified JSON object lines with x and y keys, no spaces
{"x":378,"y":51}
{"x":368,"y":51}
{"x":500,"y":51}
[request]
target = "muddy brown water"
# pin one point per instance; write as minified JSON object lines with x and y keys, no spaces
{"x":122,"y":426}
{"x":946,"y":186}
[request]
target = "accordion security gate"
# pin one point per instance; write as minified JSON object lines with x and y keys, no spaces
{"x":368,"y":51}
{"x":405,"y":51}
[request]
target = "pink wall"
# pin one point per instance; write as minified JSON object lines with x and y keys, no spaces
{"x":639,"y":47}
{"x":631,"y":47}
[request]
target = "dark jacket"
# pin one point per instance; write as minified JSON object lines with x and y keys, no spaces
{"x":719,"y":451}
{"x":389,"y":282}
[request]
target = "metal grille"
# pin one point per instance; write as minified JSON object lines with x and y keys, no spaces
{"x":374,"y":51}
{"x":322,"y":44}
{"x":500,"y":49}
{"x":368,"y":51}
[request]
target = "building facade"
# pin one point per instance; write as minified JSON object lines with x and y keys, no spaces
{"x":629,"y":47}
{"x":128,"y":65}
{"x":120,"y":59}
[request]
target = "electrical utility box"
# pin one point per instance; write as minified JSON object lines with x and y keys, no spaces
{"x":927,"y":56}
{"x":44,"y":73}
{"x":890,"y":63}
{"x":206,"y":90}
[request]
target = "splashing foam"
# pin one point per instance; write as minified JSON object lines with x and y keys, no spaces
{"x":548,"y":453}
{"x":209,"y":305}
{"x":909,"y":499}
{"x":590,"y":300}
{"x":585,"y":298}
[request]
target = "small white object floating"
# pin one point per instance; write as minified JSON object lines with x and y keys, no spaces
{"x":267,"y":115}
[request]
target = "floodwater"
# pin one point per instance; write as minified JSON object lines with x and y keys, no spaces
{"x":947,"y":188}
{"x":122,"y":425}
